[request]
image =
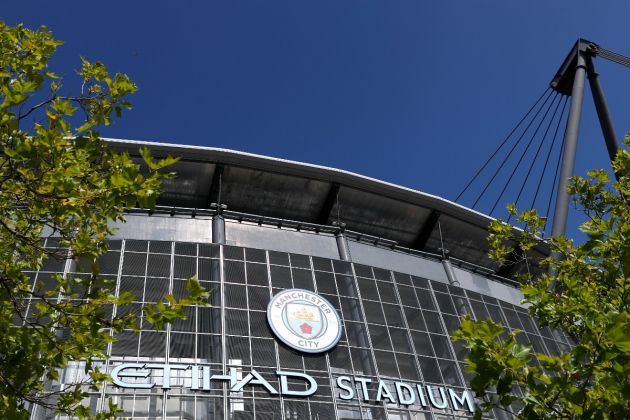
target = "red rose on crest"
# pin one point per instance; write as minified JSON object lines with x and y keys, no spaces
{"x":306,"y":329}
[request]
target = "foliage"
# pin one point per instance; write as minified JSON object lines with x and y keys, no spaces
{"x":587,"y":295}
{"x":63,"y":182}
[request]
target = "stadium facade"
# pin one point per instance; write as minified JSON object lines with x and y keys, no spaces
{"x":367,"y":279}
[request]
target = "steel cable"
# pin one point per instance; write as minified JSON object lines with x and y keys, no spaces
{"x":551,"y":148}
{"x":522,"y":156}
{"x":511,"y":151}
{"x":501,"y":145}
{"x":613,"y":56}
{"x":542,"y":141}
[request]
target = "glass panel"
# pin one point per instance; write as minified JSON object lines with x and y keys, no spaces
{"x":407,"y":296}
{"x":386,"y":363}
{"x":325,"y":282}
{"x":234,"y":272}
{"x":346,"y":286}
{"x":134,"y":264}
{"x":441,"y":345}
{"x":281,"y":277}
{"x":407,"y":366}
{"x":257,"y":274}
{"x":236,"y":322}
{"x":368,"y":288}
{"x":414,"y":318}
{"x":322,"y":264}
{"x":186,"y":248}
{"x":400,"y":340}
{"x":351,"y":309}
{"x":362,"y":360}
{"x":373,"y":312}
{"x":422,"y":343}
{"x":433,"y":322}
{"x":303,"y":279}
{"x":393,"y":315}
{"x":300,"y":261}
{"x":279,"y":258}
{"x":425,"y":299}
{"x":258,"y":297}
{"x":445,"y":303}
{"x":232,"y":252}
{"x":386,"y":290}
{"x":430,"y":370}
{"x":380,"y":338}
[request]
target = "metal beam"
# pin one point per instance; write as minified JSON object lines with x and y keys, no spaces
{"x":605,"y":120}
{"x":329,"y":203}
{"x":426,"y":230}
{"x":215,"y":187}
{"x":570,"y":146}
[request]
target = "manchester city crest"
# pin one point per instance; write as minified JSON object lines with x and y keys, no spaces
{"x":304,"y":320}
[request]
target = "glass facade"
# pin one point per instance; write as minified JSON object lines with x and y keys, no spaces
{"x":395,"y":329}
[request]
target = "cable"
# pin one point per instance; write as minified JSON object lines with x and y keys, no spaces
{"x":501,"y":145}
{"x":544,"y":137}
{"x":522,"y":156}
{"x":510,"y":153}
{"x":553,"y":143}
{"x":613,"y":56}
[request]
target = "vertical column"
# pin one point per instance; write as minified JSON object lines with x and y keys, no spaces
{"x":570,"y":147}
{"x":342,"y":242}
{"x":605,"y":120}
{"x":218,"y":224}
{"x":460,"y":305}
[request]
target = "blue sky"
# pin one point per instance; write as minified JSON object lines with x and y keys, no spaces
{"x":416,"y":93}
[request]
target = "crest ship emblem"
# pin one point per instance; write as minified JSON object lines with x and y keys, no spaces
{"x":304,"y":319}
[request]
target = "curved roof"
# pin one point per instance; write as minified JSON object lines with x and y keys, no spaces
{"x":289,"y":190}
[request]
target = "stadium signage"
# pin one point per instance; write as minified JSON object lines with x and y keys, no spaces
{"x":139,"y":376}
{"x":304,"y":320}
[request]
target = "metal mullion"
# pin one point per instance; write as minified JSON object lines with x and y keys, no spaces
{"x":380,"y":299}
{"x":326,"y":358}
{"x":450,"y":342}
{"x":293,"y":285}
{"x":406,"y":323}
{"x":249,"y":328}
{"x":275,"y":343}
{"x":194,"y":366}
{"x":165,"y":392}
{"x":30,"y":299}
{"x":101,"y":401}
{"x":223,"y":338}
{"x":538,"y":333}
{"x":441,"y":319}
{"x":308,"y":399}
{"x":367,"y":330}
{"x":142,"y":300}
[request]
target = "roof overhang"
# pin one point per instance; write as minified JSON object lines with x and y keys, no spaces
{"x":309,"y":193}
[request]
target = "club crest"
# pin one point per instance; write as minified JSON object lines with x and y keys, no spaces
{"x":304,"y":320}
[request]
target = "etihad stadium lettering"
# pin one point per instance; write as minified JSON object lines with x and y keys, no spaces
{"x":138,"y":376}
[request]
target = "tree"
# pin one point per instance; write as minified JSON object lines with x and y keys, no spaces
{"x":586,"y":295}
{"x":61,"y":182}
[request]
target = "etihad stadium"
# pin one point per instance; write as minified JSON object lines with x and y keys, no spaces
{"x":333,"y":295}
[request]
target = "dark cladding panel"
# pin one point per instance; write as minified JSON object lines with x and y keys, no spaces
{"x":190,"y":187}
{"x":380,"y":216}
{"x":463,"y":240}
{"x":274,"y":195}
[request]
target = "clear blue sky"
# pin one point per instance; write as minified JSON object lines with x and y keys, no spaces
{"x":417,"y":93}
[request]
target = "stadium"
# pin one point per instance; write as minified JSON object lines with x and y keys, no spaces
{"x":332,"y":295}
